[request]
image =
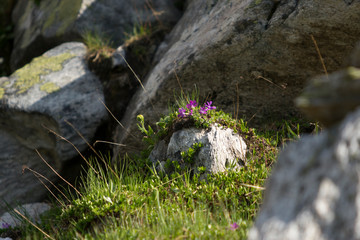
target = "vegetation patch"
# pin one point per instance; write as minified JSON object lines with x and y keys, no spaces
{"x":132,"y":201}
{"x":100,"y":51}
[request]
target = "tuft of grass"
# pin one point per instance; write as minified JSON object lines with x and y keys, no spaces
{"x":133,"y":205}
{"x":138,"y":32}
{"x":99,"y":45}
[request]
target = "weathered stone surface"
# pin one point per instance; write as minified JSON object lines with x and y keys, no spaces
{"x":32,"y":211}
{"x":222,"y":149}
{"x":329,"y":99}
{"x":52,"y":89}
{"x":257,"y":54}
{"x":314,"y":190}
{"x":41,"y":27}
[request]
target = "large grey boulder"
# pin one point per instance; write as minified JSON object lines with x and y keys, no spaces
{"x":39,"y":27}
{"x":221,"y":149}
{"x":256,"y":54}
{"x":314,"y":190}
{"x":52,"y":90}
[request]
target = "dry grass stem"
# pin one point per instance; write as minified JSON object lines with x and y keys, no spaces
{"x":57,"y":172}
{"x":269,"y":81}
{"x":142,"y":86}
{"x":89,"y":145}
{"x":107,"y":142}
{"x":178,"y":80}
{"x":34,"y":225}
{"x":76,"y":149}
{"x":320,"y":57}
{"x":252,"y":186}
{"x":38,"y":175}
{"x":127,"y":131}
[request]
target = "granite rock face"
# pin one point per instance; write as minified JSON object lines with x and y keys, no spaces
{"x":40,"y":27}
{"x":47,"y":94}
{"x":257,"y":54}
{"x":221,"y":149}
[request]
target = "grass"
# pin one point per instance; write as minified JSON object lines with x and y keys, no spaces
{"x":99,"y":45}
{"x":133,"y":204}
{"x":132,"y":201}
{"x":138,"y":32}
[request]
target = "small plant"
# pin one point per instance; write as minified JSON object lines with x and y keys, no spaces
{"x":150,"y":137}
{"x":188,"y":156}
{"x":201,"y":169}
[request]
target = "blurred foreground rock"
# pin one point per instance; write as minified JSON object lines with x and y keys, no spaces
{"x":52,"y":90}
{"x":329,"y":99}
{"x":314,"y":190}
{"x":222,"y":149}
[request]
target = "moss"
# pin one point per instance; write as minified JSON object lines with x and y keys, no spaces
{"x":25,"y":18}
{"x":29,"y":75}
{"x":63,"y":16}
{"x":253,"y":4}
{"x":2,"y":92}
{"x":354,"y":73}
{"x":49,"y":87}
{"x":2,"y":88}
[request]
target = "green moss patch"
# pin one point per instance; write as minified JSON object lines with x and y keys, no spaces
{"x":65,"y":13}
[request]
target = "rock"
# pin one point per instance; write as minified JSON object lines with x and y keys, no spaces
{"x":118,"y":58}
{"x":52,"y":89}
{"x":255,"y":54}
{"x":314,"y":189}
{"x":329,"y":99}
{"x":32,"y":211}
{"x":221,"y":149}
{"x":39,"y":27}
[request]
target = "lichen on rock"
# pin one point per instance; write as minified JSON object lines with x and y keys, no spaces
{"x":30,"y":75}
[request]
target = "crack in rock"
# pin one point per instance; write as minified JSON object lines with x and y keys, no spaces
{"x":286,"y":7}
{"x":348,"y":2}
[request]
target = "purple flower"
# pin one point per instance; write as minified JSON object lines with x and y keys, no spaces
{"x":5,"y":225}
{"x":181,"y":112}
{"x":203,"y":110}
{"x":192,"y":104}
{"x":191,"y":112}
{"x":208,"y":105}
{"x":234,"y":226}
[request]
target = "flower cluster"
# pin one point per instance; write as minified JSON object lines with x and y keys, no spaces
{"x":5,"y":225}
{"x":191,"y":107}
{"x":234,"y":226}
